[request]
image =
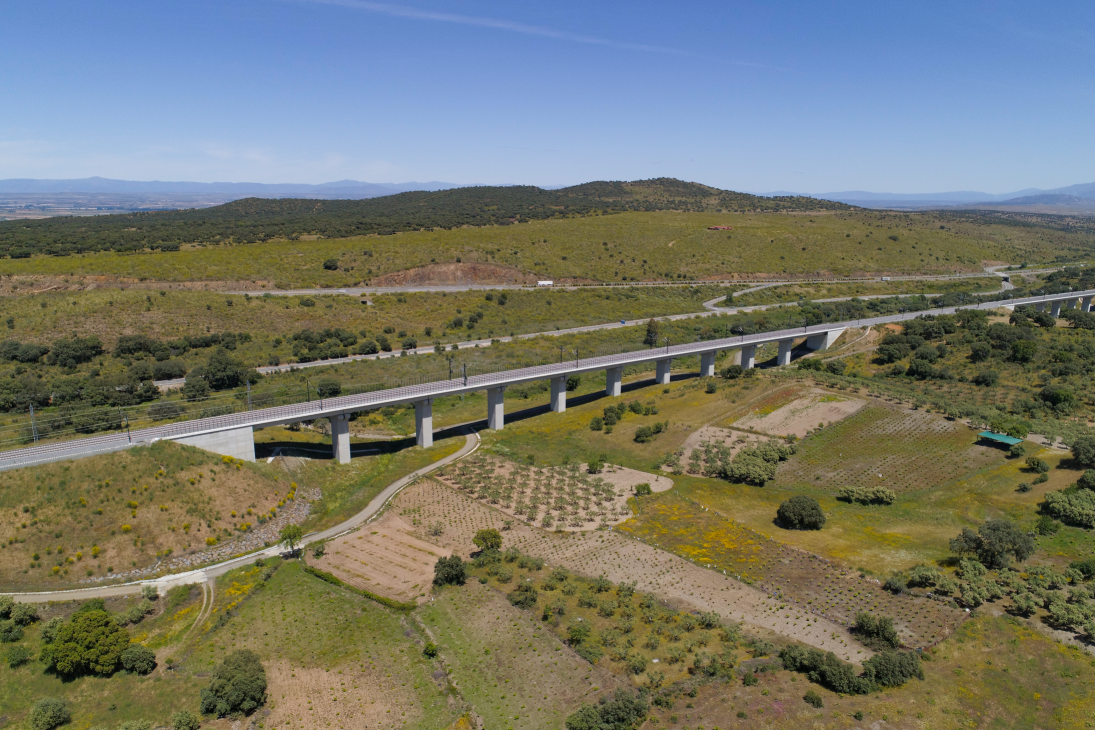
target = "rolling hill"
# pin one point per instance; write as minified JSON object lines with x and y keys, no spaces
{"x":253,"y":220}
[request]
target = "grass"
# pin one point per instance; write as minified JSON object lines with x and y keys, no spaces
{"x":815,"y":292}
{"x":993,"y":673}
{"x":640,"y":246}
{"x":106,"y":700}
{"x":508,"y":666}
{"x":108,"y":314}
{"x":622,"y":629}
{"x":78,"y":517}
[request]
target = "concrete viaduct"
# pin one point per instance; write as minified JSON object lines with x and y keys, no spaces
{"x":233,"y":434}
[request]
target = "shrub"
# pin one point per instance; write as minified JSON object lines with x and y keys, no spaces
{"x":24,"y":614}
{"x":1016,"y":450}
{"x":488,"y":539}
{"x":995,"y":543}
{"x":169,"y":370}
{"x":750,"y":679}
{"x":450,"y":571}
{"x":17,"y":656}
{"x":877,"y":632}
{"x":986,"y":378}
{"x":710,"y":387}
{"x":238,"y":685}
{"x":1073,"y":508}
{"x":430,"y":650}
{"x":596,"y":423}
{"x":595,"y":466}
{"x":328,"y":388}
{"x":623,"y":712}
{"x":1037,"y":465}
{"x":732,"y":372}
{"x":307,"y":302}
{"x":801,"y":513}
{"x":642,"y":490}
{"x":48,"y":713}
{"x":185,"y":720}
{"x":330,"y":264}
{"x":138,"y":659}
{"x":867,"y":495}
{"x":813,"y":699}
{"x":1024,"y":487}
{"x":10,"y":632}
{"x":1083,"y":451}
{"x":525,"y":596}
{"x":825,"y":669}
{"x":892,"y":668}
{"x":91,"y":642}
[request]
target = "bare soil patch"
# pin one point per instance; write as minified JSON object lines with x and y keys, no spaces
{"x":383,"y":558}
{"x":565,"y":498}
{"x":314,"y":697}
{"x":454,"y":275}
{"x":684,"y":585}
{"x":803,"y":414}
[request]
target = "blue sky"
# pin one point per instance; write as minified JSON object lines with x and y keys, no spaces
{"x":759,"y":96}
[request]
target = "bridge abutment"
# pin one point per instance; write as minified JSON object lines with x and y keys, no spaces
{"x":238,"y":443}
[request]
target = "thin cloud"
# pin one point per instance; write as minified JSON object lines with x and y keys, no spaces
{"x":400,"y":11}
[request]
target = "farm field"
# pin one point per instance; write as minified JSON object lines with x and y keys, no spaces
{"x":638,"y":246}
{"x":994,"y":672}
{"x":682,"y":584}
{"x":504,"y":662}
{"x":385,"y":560}
{"x":571,"y":497}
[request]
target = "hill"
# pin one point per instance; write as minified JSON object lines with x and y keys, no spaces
{"x":252,"y":220}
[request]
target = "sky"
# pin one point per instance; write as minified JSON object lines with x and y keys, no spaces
{"x":755,"y":96}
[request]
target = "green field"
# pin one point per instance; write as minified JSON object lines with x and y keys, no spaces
{"x":813,"y":292}
{"x":612,"y":248}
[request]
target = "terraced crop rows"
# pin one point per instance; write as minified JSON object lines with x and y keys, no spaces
{"x":796,"y":577}
{"x":911,"y":450}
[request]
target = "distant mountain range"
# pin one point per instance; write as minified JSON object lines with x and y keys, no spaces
{"x":156,"y":194}
{"x":1080,"y":196}
{"x":342,"y":189}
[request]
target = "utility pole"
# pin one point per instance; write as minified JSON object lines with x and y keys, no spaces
{"x":465,"y":365}
{"x":33,"y":424}
{"x":248,"y":394}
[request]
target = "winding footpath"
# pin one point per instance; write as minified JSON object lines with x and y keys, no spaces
{"x":210,"y":573}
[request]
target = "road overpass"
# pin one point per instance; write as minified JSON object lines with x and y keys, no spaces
{"x":233,"y":434}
